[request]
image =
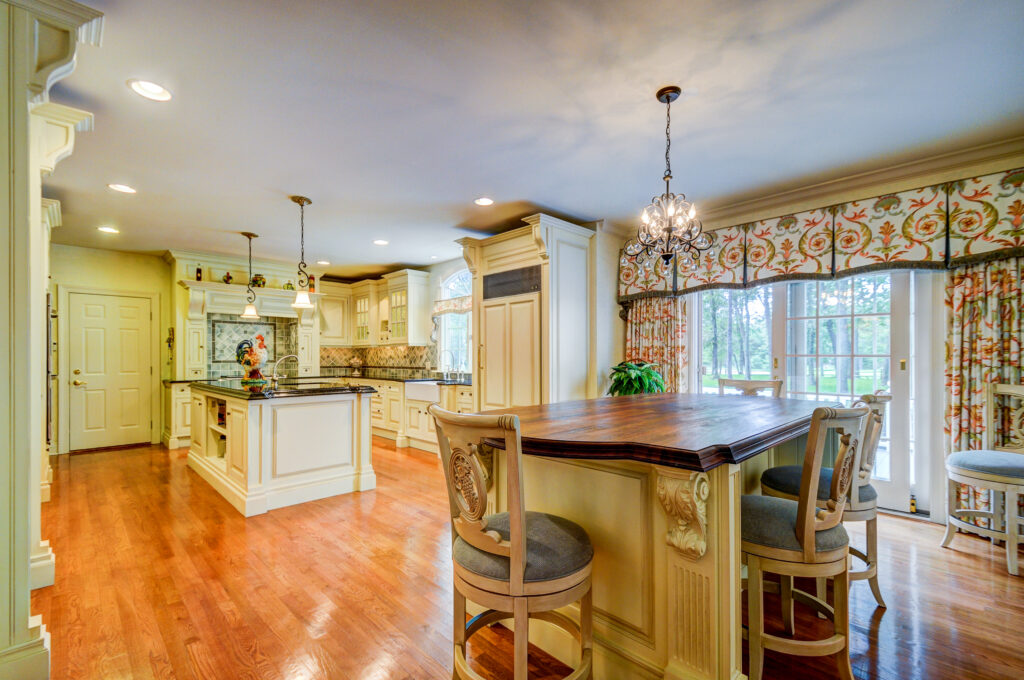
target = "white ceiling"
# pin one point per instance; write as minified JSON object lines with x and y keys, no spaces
{"x":394,"y":116}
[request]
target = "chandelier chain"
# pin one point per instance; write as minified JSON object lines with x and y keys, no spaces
{"x":303,"y":274}
{"x":668,"y":144}
{"x":250,"y":295}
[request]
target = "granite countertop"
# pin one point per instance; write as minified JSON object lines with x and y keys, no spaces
{"x":286,"y":387}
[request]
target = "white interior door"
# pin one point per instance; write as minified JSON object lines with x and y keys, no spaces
{"x":111,"y":369}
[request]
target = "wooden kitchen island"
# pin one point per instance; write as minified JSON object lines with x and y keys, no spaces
{"x":265,"y":447}
{"x":655,"y":480}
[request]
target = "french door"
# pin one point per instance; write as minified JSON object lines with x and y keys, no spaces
{"x":831,"y":341}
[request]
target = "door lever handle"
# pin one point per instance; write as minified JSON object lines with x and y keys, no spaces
{"x":78,"y":383}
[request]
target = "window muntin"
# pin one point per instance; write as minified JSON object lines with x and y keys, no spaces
{"x":455,"y":330}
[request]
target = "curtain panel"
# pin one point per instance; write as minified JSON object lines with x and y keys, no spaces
{"x":985,"y":326}
{"x":656,"y":333}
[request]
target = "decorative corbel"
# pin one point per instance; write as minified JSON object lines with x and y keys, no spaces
{"x":54,"y":37}
{"x":685,"y":500}
{"x":56,"y":136}
{"x":51,"y":214}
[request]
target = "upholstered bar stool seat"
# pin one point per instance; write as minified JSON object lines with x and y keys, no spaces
{"x":771,"y":522}
{"x":785,"y":479}
{"x":1001,"y":464}
{"x":555,"y":548}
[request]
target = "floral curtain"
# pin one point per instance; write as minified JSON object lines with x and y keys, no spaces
{"x":456,"y":305}
{"x":656,"y":333}
{"x":985,"y":323}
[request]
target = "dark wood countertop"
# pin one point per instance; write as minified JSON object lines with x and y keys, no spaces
{"x":689,"y":431}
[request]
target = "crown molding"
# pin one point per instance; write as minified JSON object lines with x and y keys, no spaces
{"x":963,"y":163}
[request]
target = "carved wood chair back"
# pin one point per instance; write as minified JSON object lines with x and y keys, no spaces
{"x":1004,"y":418}
{"x":873,"y":429}
{"x":461,"y":440}
{"x":849,"y":424}
{"x":751,"y":388}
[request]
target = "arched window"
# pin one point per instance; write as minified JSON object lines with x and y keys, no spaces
{"x":452,"y":313}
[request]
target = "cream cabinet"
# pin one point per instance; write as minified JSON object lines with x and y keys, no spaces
{"x":195,"y":349}
{"x":177,"y":415}
{"x":394,"y":396}
{"x":457,"y":398}
{"x":236,"y":438}
{"x":198,"y":423}
{"x":335,"y":309}
{"x":508,"y":356}
{"x":408,"y":307}
{"x":308,"y":352}
{"x":420,"y":426}
{"x":365,"y":314}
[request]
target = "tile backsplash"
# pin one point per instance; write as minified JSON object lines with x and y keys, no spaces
{"x":392,"y":356}
{"x":225,"y":331}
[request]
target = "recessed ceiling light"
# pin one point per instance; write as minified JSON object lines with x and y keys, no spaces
{"x":380,"y":242}
{"x":483,"y":200}
{"x":108,"y":230}
{"x":433,"y":257}
{"x":123,"y":188}
{"x":145,"y":88}
{"x":322,"y":263}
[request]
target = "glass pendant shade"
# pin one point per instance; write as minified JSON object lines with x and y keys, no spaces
{"x":250,"y":312}
{"x":302,"y":300}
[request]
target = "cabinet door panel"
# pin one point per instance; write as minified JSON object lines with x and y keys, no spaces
{"x":524,"y":352}
{"x":236,"y":443}
{"x":493,"y":356}
{"x":197,"y":424}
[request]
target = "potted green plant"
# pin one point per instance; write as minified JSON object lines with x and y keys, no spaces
{"x":636,"y":378}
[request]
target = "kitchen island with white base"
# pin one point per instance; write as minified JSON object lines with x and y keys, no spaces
{"x":264,"y":448}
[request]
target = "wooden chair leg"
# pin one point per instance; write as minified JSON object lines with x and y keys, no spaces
{"x":840,"y":596}
{"x":1012,"y":528}
{"x":521,"y":622}
{"x":459,"y":633}
{"x":952,"y":498}
{"x":786,"y":595}
{"x":872,"y":536}
{"x":755,"y":617}
{"x":587,"y":626}
{"x":821,"y":591}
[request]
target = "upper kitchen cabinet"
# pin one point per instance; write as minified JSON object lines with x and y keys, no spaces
{"x":408,"y":310}
{"x":364,"y":313}
{"x":336,"y":315}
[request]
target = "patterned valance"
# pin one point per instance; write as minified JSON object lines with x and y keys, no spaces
{"x":936,"y":227}
{"x":458,"y":305}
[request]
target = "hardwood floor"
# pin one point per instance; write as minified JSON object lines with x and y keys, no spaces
{"x":158,"y":577}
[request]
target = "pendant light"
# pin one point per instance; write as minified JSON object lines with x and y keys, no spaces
{"x":669,"y":226}
{"x":302,"y":300}
{"x":250,"y":308}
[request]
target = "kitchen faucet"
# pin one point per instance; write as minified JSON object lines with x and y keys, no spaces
{"x":274,"y":376}
{"x":445,"y":374}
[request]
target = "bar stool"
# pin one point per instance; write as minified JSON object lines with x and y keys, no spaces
{"x":751,"y":388}
{"x":799,"y":539}
{"x":861,"y":505}
{"x":997,"y":467}
{"x":519,"y":565}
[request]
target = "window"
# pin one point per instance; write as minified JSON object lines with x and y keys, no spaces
{"x":837,"y":338}
{"x":454,"y":328}
{"x":736,"y":335}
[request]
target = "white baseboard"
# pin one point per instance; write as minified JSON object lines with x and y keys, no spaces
{"x":42,"y":567}
{"x":28,"y":661}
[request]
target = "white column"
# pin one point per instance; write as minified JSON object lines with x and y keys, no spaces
{"x":41,"y":38}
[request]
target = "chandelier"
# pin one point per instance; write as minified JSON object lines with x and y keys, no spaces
{"x":250,"y":296}
{"x":302,"y":292}
{"x":669,"y":226}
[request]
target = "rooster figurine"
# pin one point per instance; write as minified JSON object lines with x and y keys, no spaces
{"x":251,"y":357}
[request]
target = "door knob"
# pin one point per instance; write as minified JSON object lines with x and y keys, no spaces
{"x":78,"y":383}
{"x":77,"y":371}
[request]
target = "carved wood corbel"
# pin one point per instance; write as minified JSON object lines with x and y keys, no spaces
{"x":685,"y":501}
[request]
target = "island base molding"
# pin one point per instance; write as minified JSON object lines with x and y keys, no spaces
{"x":666,"y":565}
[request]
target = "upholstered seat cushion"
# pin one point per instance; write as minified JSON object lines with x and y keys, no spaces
{"x":786,"y":479}
{"x":555,"y":547}
{"x":1002,"y":463}
{"x":771,"y":522}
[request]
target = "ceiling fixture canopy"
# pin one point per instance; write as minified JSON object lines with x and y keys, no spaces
{"x":669,"y":226}
{"x":302,"y":300}
{"x":250,"y":308}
